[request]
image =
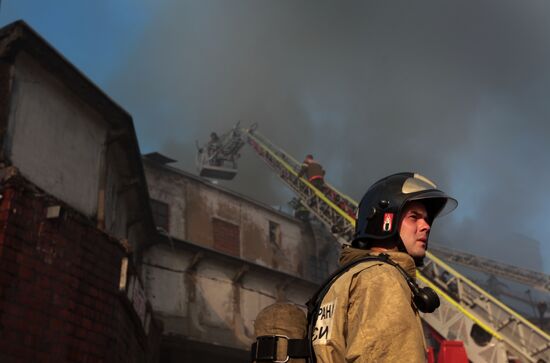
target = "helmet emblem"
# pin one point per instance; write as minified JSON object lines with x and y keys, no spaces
{"x":388,"y":222}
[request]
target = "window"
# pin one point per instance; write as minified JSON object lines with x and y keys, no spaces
{"x":227,"y":237}
{"x":161,"y":214}
{"x":274,"y":233}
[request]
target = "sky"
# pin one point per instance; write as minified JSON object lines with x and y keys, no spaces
{"x":455,"y":90}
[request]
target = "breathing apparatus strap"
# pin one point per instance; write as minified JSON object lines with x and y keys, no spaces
{"x":325,"y":286}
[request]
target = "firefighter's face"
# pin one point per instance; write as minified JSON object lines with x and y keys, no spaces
{"x":414,"y":229}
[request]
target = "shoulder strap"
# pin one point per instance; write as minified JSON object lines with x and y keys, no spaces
{"x":312,"y":304}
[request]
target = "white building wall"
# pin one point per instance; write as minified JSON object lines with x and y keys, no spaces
{"x":54,"y":138}
{"x":60,"y":137}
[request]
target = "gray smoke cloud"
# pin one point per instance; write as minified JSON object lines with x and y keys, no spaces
{"x":454,"y":90}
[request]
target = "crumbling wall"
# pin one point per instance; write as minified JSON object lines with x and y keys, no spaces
{"x":60,"y":297}
{"x":210,"y":297}
{"x":202,"y":213}
{"x":170,"y":188}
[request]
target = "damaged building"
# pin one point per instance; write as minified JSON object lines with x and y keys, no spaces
{"x":74,"y":215}
{"x":108,"y":256}
{"x":224,"y":257}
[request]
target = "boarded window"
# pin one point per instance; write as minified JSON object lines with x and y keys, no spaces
{"x":274,"y":233}
{"x":161,"y":214}
{"x":226,"y":237}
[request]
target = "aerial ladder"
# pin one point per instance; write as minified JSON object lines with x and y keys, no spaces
{"x":490,"y":331}
{"x":534,"y":279}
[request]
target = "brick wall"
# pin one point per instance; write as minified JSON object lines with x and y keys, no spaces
{"x":59,"y":287}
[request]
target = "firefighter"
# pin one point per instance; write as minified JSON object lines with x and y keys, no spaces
{"x":371,"y":312}
{"x":214,"y":146}
{"x":314,"y":172}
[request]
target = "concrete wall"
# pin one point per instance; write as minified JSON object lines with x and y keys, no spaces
{"x":171,"y":188}
{"x":212,"y":298}
{"x":195,"y":204}
{"x":55,"y":139}
{"x":69,"y":146}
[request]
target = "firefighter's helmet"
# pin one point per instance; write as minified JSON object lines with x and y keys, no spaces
{"x":380,"y":209}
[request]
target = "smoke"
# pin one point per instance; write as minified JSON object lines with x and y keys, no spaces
{"x":454,"y":90}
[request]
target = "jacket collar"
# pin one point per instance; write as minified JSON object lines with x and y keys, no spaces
{"x":350,"y":254}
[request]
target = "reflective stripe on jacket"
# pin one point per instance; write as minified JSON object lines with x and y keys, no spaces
{"x":312,"y":170}
{"x":368,"y":314}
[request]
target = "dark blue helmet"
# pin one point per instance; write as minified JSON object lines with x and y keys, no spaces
{"x":380,"y":209}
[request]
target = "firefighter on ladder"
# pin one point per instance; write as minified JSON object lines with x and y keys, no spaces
{"x":316,"y":176}
{"x":214,"y":145}
{"x":314,"y":172}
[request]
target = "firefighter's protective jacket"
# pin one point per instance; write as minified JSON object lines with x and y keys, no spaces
{"x":368,"y":314}
{"x":312,"y":170}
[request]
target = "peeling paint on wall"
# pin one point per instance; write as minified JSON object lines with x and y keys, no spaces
{"x":216,"y":300}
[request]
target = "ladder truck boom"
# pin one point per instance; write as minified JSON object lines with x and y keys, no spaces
{"x":491,"y":331}
{"x":524,"y":276}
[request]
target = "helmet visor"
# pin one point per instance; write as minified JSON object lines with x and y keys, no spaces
{"x":421,"y":188}
{"x":447,"y":204}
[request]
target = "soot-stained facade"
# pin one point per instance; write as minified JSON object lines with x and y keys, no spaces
{"x":223,"y":259}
